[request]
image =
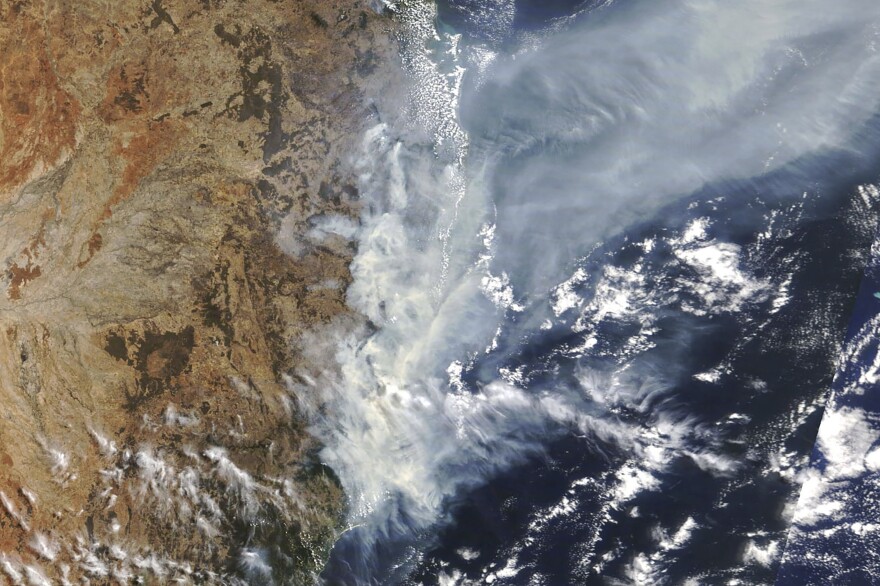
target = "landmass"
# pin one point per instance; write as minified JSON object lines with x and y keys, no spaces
{"x":154,"y":157}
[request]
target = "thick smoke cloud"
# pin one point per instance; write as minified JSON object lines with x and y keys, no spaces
{"x":564,"y":144}
{"x":649,"y":101}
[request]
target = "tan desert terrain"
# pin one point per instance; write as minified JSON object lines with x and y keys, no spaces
{"x":151,"y":152}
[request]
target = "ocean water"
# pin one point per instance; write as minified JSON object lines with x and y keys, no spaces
{"x":607,"y":259}
{"x":834,"y":537}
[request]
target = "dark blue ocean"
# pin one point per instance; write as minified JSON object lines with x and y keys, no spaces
{"x":670,"y":289}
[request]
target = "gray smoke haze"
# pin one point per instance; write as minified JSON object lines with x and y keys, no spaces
{"x":649,"y":101}
{"x":562,"y":145}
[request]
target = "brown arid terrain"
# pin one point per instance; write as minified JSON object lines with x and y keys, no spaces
{"x":163,"y":165}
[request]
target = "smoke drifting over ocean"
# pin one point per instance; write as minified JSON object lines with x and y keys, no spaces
{"x":489,"y":202}
{"x":646,"y":102}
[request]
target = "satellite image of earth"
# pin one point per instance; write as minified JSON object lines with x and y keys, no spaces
{"x":440,"y":293}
